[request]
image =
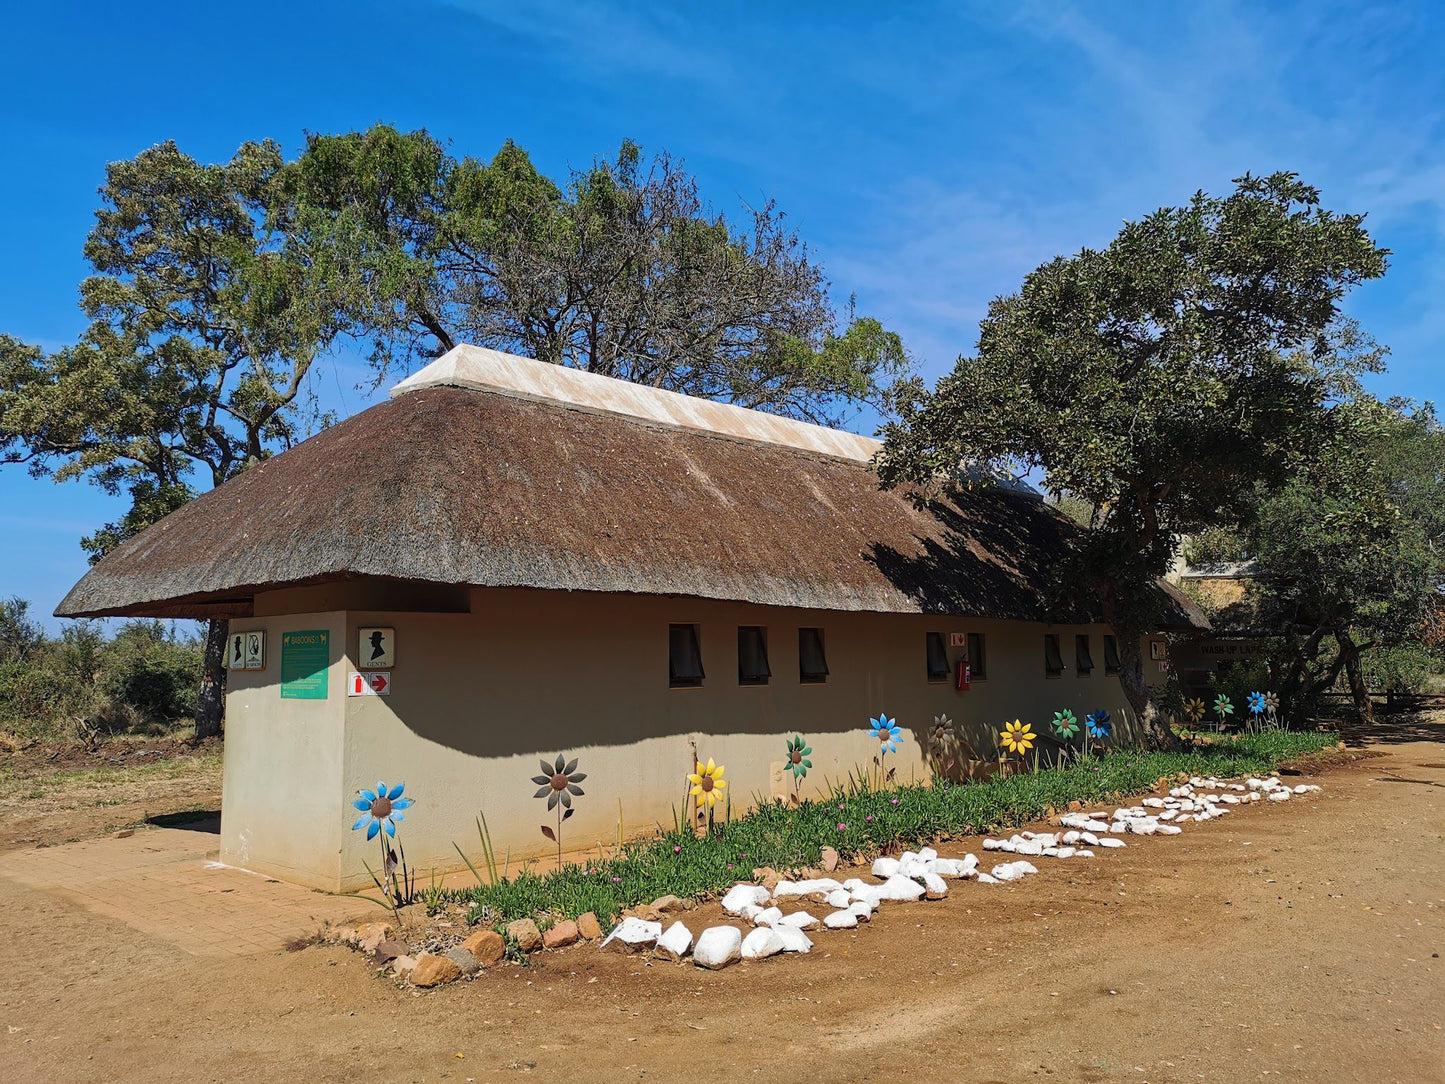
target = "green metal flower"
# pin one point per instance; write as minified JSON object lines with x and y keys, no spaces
{"x":1223,"y":706}
{"x":1065,"y":724}
{"x":797,"y":754}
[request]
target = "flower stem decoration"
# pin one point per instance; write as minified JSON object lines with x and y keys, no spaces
{"x":889,"y":734}
{"x":798,"y":762}
{"x":1018,"y":738}
{"x":1098,"y":725}
{"x":558,"y":784}
{"x":381,"y":809}
{"x":708,"y":786}
{"x":1194,"y":711}
{"x":1223,"y":708}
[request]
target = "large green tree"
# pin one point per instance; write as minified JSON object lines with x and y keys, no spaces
{"x":1160,"y":381}
{"x":1348,"y":555}
{"x":622,"y":270}
{"x":200,"y":338}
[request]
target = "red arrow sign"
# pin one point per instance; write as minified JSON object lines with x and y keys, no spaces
{"x":380,"y":683}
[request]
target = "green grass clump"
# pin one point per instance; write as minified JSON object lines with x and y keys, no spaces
{"x":857,"y":822}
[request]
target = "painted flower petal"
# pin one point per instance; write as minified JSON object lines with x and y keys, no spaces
{"x":575,"y":789}
{"x":551,"y":800}
{"x":571,"y":767}
{"x":398,"y":817}
{"x":360,"y":821}
{"x":694,"y":779}
{"x":395,"y":792}
{"x":403,"y":803}
{"x":373,"y":830}
{"x":390,"y":827}
{"x":576,"y":777}
{"x":561,"y":761}
{"x":362,"y":804}
{"x":565,"y":798}
{"x":369,"y":795}
{"x":542,"y":792}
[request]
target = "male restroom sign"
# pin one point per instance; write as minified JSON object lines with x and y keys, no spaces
{"x":376,"y":649}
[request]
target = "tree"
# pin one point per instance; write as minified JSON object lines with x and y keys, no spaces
{"x":1160,"y":381}
{"x":625,"y":271}
{"x":200,"y":338}
{"x":1346,"y":555}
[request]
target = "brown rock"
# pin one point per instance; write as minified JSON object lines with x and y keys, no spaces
{"x":371,"y":934}
{"x":830,"y":860}
{"x":560,"y":934}
{"x":342,"y":935}
{"x":1075,"y":806}
{"x":402,"y":965}
{"x":390,"y":950}
{"x":1340,"y":747}
{"x":487,"y":946}
{"x":524,"y":931}
{"x":817,"y":897}
{"x":767,"y":877}
{"x":667,"y":905}
{"x":645,"y":912}
{"x":434,"y":970}
{"x":588,"y":928}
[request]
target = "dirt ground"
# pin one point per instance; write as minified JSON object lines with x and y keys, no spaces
{"x":1299,"y":941}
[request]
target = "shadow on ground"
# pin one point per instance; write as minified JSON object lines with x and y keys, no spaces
{"x":190,"y":820}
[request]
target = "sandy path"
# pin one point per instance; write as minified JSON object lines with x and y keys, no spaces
{"x":1298,"y":942}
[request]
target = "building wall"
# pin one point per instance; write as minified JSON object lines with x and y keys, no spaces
{"x":477,"y":697}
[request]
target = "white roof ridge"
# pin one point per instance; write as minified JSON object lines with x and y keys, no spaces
{"x":482,"y":369}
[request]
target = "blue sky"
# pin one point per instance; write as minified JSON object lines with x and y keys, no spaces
{"x":931,"y":153}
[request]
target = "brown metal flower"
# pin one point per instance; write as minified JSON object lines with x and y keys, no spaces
{"x":558,"y":783}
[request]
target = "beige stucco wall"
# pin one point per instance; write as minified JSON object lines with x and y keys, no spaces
{"x":477,"y":697}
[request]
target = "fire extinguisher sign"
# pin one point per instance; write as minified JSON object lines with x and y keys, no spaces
{"x":375,"y":683}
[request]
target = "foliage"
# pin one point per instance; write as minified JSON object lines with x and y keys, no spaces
{"x":143,"y":679}
{"x":787,"y":837}
{"x":623,"y":270}
{"x":1346,"y":553}
{"x":1158,"y":381}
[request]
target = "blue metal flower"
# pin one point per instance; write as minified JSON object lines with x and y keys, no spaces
{"x":381,"y":809}
{"x":1099,"y":724}
{"x":887,"y":731}
{"x":1256,"y":703}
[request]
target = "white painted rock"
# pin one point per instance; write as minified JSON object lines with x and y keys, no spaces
{"x":899,"y":887}
{"x":718,"y":946}
{"x":928,"y":854}
{"x":1013,"y":871}
{"x":912,"y":865}
{"x":632,"y":935}
{"x":841,"y":920}
{"x":997,"y":845}
{"x":799,"y":920}
{"x":1109,"y":841}
{"x":1064,"y":852}
{"x":1031,"y":847}
{"x":839,"y":898}
{"x":862,"y":911}
{"x":1089,"y":838}
{"x":1168,"y":829}
{"x":1072,"y":837}
{"x":1083,"y":852}
{"x":767,"y":916}
{"x":788,"y":889}
{"x":675,"y":943}
{"x":741,"y":895}
{"x":794,"y":939}
{"x":953,"y":867}
{"x":934,"y":886}
{"x":1280,"y":796}
{"x":761,"y":943}
{"x":884,"y":867}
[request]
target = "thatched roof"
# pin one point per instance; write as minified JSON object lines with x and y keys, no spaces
{"x":457,"y":486}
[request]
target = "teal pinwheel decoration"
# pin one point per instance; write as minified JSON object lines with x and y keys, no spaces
{"x":798,"y":753}
{"x":381,"y":809}
{"x":1065,"y":724}
{"x":888,"y":733}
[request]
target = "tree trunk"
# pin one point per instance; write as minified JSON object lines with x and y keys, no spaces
{"x":211,"y":704}
{"x":1152,"y":723}
{"x":1355,"y":674}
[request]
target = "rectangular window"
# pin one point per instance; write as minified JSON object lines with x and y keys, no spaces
{"x":1111,"y":655}
{"x":753,"y":655}
{"x":1053,"y":657}
{"x":977,"y":660}
{"x":1083,"y":656}
{"x":937,"y":658}
{"x":812,"y":662}
{"x":684,"y":657}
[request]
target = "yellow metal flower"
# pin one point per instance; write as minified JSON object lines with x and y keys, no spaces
{"x":707,"y":784}
{"x":1017,"y":737}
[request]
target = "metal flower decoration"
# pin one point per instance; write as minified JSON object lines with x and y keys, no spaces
{"x":707,"y":784}
{"x":1194,"y":710}
{"x":798,"y":762}
{"x":1223,"y":706}
{"x":1017,"y":737}
{"x":1256,"y":704}
{"x":888,"y":733}
{"x":558,"y":784}
{"x":941,"y":732}
{"x":1065,"y":724}
{"x":1099,"y":724}
{"x":1271,"y":703}
{"x":381,"y":809}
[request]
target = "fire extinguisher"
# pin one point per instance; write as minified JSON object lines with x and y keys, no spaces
{"x":965,"y":675}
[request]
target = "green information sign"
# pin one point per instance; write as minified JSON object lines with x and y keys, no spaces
{"x":304,"y":658}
